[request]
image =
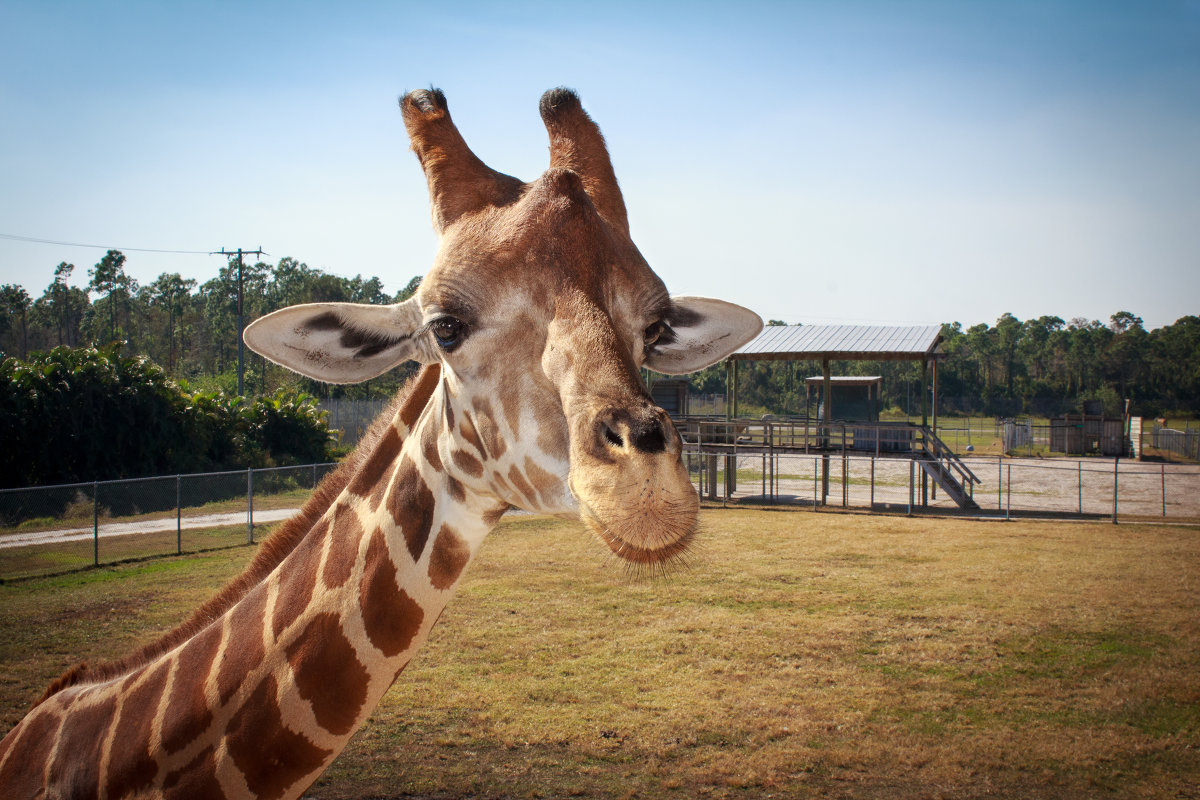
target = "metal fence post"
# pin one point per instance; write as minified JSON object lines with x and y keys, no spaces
{"x":1079,"y":483}
{"x":844,"y":487}
{"x":96,"y":523}
{"x":1116,"y":471}
{"x":814,"y":484}
{"x":1164,"y":488}
{"x":1008,"y":505}
{"x":911,"y":488}
{"x":872,"y":483}
{"x":178,"y":514}
{"x":999,"y":482}
{"x":249,"y":505}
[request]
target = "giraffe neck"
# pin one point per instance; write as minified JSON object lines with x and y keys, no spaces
{"x":262,"y":699}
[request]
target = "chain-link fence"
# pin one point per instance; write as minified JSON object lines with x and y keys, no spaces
{"x":349,"y":420}
{"x":50,"y":529}
{"x":1066,"y":487}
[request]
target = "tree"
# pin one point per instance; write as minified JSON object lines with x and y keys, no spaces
{"x":167,"y":292}
{"x":409,"y":290}
{"x":15,"y":303}
{"x":108,"y":277}
{"x":64,"y":305}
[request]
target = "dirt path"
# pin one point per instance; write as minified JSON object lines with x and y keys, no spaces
{"x":161,"y":525}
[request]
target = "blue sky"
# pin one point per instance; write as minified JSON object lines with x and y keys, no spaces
{"x":819,"y":162}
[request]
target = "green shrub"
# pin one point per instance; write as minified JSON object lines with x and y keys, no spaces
{"x":89,"y":414}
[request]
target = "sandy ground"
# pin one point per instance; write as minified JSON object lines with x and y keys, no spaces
{"x":1020,"y":485}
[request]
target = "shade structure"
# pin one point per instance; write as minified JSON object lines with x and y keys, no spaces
{"x":843,"y":343}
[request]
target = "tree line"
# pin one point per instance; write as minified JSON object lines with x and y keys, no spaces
{"x":1042,"y":366}
{"x":188,"y":328}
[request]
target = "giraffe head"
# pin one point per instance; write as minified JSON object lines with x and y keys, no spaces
{"x":540,"y":311}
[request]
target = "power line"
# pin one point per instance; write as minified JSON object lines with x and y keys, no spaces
{"x":35,"y":240}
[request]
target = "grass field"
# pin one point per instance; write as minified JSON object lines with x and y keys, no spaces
{"x":797,"y":655}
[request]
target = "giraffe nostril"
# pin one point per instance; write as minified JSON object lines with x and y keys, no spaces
{"x":650,"y":439}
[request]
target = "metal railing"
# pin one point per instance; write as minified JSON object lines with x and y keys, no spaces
{"x":1080,"y":488}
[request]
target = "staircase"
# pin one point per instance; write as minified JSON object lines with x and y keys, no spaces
{"x":947,"y":469}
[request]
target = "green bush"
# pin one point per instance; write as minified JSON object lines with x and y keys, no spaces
{"x":88,"y":414}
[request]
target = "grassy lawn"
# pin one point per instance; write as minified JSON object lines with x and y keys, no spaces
{"x":796,"y":655}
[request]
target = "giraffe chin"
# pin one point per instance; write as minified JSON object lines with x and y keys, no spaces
{"x":645,"y":520}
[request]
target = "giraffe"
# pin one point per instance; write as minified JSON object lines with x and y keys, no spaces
{"x":531,"y":327}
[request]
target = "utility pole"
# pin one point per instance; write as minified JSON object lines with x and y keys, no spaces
{"x":241,"y":325}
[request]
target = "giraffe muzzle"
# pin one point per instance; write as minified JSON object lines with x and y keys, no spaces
{"x":632,"y":487}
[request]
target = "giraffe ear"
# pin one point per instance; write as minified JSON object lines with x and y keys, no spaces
{"x":700,"y":332}
{"x":340,"y":342}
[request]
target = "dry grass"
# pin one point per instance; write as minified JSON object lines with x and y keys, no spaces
{"x":800,"y":655}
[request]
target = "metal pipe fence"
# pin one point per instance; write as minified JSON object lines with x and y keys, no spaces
{"x":1086,"y":488}
{"x":52,"y":529}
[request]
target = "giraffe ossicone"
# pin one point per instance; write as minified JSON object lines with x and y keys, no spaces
{"x":533,"y":324}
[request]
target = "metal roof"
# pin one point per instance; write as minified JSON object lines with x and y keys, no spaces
{"x":843,"y":343}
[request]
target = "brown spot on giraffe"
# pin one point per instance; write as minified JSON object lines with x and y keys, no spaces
{"x":346,"y":532}
{"x":429,"y":448}
{"x":448,"y":559}
{"x":195,"y":781}
{"x":467,"y":463}
{"x":455,"y":488}
{"x":271,"y":757}
{"x":328,"y":673}
{"x":489,"y":431}
{"x":76,"y":765}
{"x":543,"y":481}
{"x":427,"y":380}
{"x":241,"y":656}
{"x":187,"y":713}
{"x":500,"y":485}
{"x":131,"y":739}
{"x":412,"y":507}
{"x":471,"y":435}
{"x":518,"y":480}
{"x":297,"y":580}
{"x":391,"y":618}
{"x":21,"y":773}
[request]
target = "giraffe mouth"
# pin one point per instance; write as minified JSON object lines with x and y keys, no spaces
{"x":657,"y":550}
{"x":642,"y":520}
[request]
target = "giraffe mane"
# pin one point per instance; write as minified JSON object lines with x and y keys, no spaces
{"x":272,"y":552}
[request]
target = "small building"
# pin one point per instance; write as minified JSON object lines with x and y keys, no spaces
{"x":854,"y":399}
{"x":671,"y":395}
{"x":1084,"y":434}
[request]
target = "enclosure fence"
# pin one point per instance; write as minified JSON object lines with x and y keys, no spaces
{"x":52,"y":529}
{"x":1182,"y":443}
{"x":1084,"y":488}
{"x":351,"y":418}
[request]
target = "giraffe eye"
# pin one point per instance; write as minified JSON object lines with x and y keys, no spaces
{"x":449,"y":332}
{"x":653,"y":333}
